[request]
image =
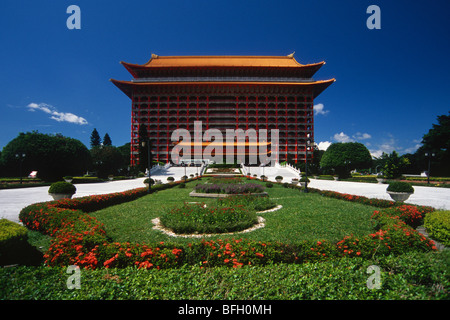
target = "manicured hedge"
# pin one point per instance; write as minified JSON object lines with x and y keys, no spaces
{"x":12,"y":235}
{"x":360,"y":199}
{"x":437,"y":225}
{"x":413,"y":276}
{"x":14,"y":247}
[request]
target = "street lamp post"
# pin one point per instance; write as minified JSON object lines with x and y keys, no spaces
{"x":347,"y":162}
{"x":144,"y":143}
{"x":20,"y":157}
{"x":308,"y":142}
{"x":429,"y":155}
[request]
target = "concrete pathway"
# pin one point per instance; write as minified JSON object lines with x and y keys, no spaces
{"x":13,"y":200}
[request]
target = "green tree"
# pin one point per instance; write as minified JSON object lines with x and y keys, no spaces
{"x":437,"y":142}
{"x":394,"y":165}
{"x":106,"y":160}
{"x":125,"y":152}
{"x":107,"y":140}
{"x":143,"y":148}
{"x":344,"y":157}
{"x":96,"y":141}
{"x":53,"y":156}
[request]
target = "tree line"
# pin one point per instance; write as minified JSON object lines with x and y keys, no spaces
{"x":433,"y":157}
{"x":55,"y":156}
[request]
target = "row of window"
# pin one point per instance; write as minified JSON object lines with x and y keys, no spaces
{"x":273,"y":98}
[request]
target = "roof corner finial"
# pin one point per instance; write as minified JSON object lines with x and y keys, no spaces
{"x":154,"y":56}
{"x":291,"y":55}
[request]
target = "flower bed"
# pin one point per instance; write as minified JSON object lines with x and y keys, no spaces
{"x":360,"y":199}
{"x":229,"y":188}
{"x":197,"y":218}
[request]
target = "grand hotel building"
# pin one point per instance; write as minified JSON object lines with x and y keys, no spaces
{"x":223,"y":92}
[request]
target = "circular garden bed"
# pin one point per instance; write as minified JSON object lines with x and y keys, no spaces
{"x":232,"y":214}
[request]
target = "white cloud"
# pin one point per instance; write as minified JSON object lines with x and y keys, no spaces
{"x":362,"y":136}
{"x":56,"y":115}
{"x":387,"y":147}
{"x":319,"y":109}
{"x":342,"y":137}
{"x":323,"y":145}
{"x":412,"y":149}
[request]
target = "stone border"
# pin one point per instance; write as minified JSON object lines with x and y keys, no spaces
{"x":169,"y":232}
{"x":278,"y":207}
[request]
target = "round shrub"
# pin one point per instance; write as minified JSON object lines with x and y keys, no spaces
{"x":399,"y":186}
{"x":151,"y":181}
{"x":304,"y":179}
{"x":62,"y":187}
{"x":13,"y":242}
{"x":170,"y":179}
{"x":438,"y":226}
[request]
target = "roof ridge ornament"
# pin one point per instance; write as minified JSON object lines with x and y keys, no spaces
{"x":154,"y":56}
{"x":291,"y":55}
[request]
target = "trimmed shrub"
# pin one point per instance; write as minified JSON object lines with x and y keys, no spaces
{"x":62,"y":187}
{"x":11,"y":234}
{"x":149,"y":181}
{"x":14,"y":247}
{"x":437,"y":225}
{"x":304,"y":179}
{"x":400,"y":186}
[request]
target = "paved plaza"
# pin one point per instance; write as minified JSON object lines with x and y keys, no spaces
{"x":13,"y":200}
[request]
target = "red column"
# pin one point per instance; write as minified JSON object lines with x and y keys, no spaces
{"x":246,"y":112}
{"x":237,"y":112}
{"x":207,"y":112}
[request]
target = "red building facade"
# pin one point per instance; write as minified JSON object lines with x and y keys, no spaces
{"x":223,"y":92}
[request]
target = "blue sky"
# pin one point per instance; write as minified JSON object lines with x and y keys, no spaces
{"x":391,"y":84}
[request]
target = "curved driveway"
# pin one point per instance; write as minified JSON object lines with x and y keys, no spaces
{"x":13,"y":200}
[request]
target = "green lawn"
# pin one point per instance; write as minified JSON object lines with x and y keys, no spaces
{"x":303,"y":217}
{"x":409,"y":276}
